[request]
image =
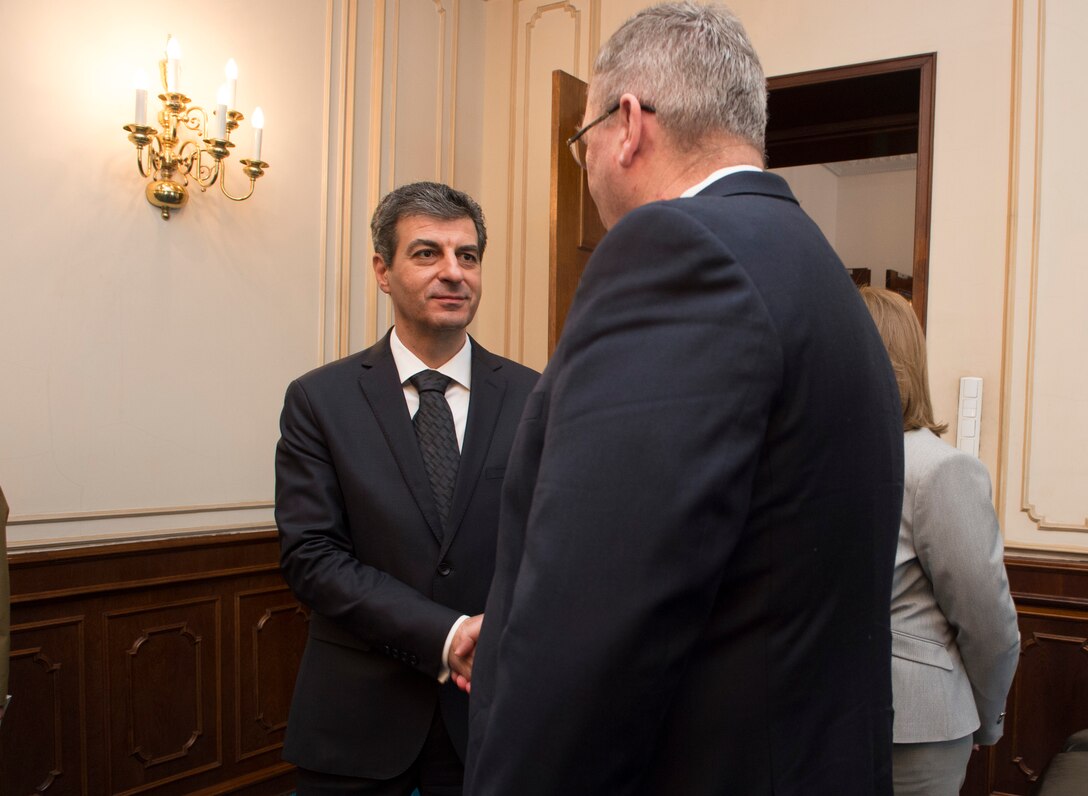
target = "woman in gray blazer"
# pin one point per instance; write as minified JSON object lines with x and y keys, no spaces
{"x":955,"y":642}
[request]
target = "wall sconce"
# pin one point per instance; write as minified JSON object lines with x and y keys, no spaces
{"x":170,"y":161}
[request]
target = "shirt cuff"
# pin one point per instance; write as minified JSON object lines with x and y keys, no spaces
{"x":444,"y":672}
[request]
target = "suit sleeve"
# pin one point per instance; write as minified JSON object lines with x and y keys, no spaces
{"x":370,"y":608}
{"x":958,"y":542}
{"x":660,"y":399}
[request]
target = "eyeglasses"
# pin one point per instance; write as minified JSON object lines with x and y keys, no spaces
{"x":577,"y":144}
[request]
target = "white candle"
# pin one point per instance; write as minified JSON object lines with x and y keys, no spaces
{"x":258,"y":131}
{"x":173,"y":55}
{"x":221,"y":113}
{"x":231,"y":71}
{"x":140,"y":82}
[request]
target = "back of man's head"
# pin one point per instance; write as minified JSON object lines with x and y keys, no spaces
{"x":694,"y":65}
{"x":433,"y":199}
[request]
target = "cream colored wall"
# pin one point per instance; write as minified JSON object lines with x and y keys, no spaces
{"x":817,"y":189}
{"x":144,"y":361}
{"x":991,"y":298}
{"x":868,"y":218}
{"x":876,"y":222}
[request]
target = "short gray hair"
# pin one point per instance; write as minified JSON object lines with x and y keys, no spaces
{"x":431,"y":199}
{"x":694,"y":64}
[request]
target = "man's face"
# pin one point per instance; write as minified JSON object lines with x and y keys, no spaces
{"x":434,"y":280}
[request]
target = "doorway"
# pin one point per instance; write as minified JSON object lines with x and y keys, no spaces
{"x":881,"y":109}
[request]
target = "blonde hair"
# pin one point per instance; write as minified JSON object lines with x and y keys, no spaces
{"x":906,"y":343}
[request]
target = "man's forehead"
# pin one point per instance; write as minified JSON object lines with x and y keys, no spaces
{"x":420,"y":227}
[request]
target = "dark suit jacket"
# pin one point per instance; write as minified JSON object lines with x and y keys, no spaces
{"x":362,"y":547}
{"x":699,"y":522}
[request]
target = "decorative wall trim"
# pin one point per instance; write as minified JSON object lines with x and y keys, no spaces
{"x":80,"y":516}
{"x":346,"y":123}
{"x":323,"y":235}
{"x":450,"y":175}
{"x":371,"y":294}
{"x":519,"y":156}
{"x":1034,"y":512}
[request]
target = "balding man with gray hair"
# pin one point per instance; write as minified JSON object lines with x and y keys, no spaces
{"x":701,"y":507}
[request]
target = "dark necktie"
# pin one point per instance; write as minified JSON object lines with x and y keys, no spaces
{"x":437,"y":437}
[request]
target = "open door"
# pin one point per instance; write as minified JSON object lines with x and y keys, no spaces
{"x":576,"y":227}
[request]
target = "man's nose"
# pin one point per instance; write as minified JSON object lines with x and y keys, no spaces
{"x":452,"y":270}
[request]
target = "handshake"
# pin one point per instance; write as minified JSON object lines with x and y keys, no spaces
{"x":463,"y":650}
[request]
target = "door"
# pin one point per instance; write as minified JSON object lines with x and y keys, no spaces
{"x":576,"y":227}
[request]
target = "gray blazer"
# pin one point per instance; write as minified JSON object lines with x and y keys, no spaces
{"x":955,"y":642}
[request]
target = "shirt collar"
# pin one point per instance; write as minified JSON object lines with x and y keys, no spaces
{"x":693,"y":190}
{"x":458,"y":367}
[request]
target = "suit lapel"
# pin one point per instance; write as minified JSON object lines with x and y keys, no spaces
{"x":382,"y":389}
{"x":485,"y":403}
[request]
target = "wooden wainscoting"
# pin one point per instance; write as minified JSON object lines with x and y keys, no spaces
{"x":1049,"y":698}
{"x":167,"y":667}
{"x":160,"y":667}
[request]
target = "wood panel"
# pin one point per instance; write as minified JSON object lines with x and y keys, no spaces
{"x":1049,"y":697}
{"x":272,"y":634}
{"x":167,"y":668}
{"x":155,"y":667}
{"x":47,"y":674}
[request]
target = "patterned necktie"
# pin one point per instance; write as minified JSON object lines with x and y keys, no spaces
{"x":437,"y":437}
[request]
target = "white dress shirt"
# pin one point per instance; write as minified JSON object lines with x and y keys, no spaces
{"x":693,"y":190}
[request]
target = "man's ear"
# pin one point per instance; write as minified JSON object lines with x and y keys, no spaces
{"x":632,"y":118}
{"x":381,"y":271}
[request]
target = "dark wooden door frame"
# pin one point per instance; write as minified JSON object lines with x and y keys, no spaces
{"x":926,"y":66}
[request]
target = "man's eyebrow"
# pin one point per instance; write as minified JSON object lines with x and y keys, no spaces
{"x":431,"y":244}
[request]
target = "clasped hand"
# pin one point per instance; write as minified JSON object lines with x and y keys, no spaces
{"x":463,"y":650}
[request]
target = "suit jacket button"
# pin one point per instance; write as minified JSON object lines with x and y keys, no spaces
{"x":444,"y":569}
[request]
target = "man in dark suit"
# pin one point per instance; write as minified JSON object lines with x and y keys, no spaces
{"x":699,"y":519}
{"x":387,"y":493}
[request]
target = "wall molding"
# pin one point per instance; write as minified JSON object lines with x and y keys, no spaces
{"x":1025,"y":118}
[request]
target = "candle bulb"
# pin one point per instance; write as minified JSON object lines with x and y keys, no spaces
{"x":173,"y":55}
{"x":258,"y":131}
{"x":140,"y":82}
{"x":231,"y":71}
{"x":221,"y":112}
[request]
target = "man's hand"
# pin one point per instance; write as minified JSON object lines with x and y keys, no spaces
{"x":463,"y":650}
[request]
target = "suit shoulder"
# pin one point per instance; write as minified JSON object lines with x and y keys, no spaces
{"x":333,"y":370}
{"x":519,"y":373}
{"x":340,"y":370}
{"x":511,"y":370}
{"x":927,"y":458}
